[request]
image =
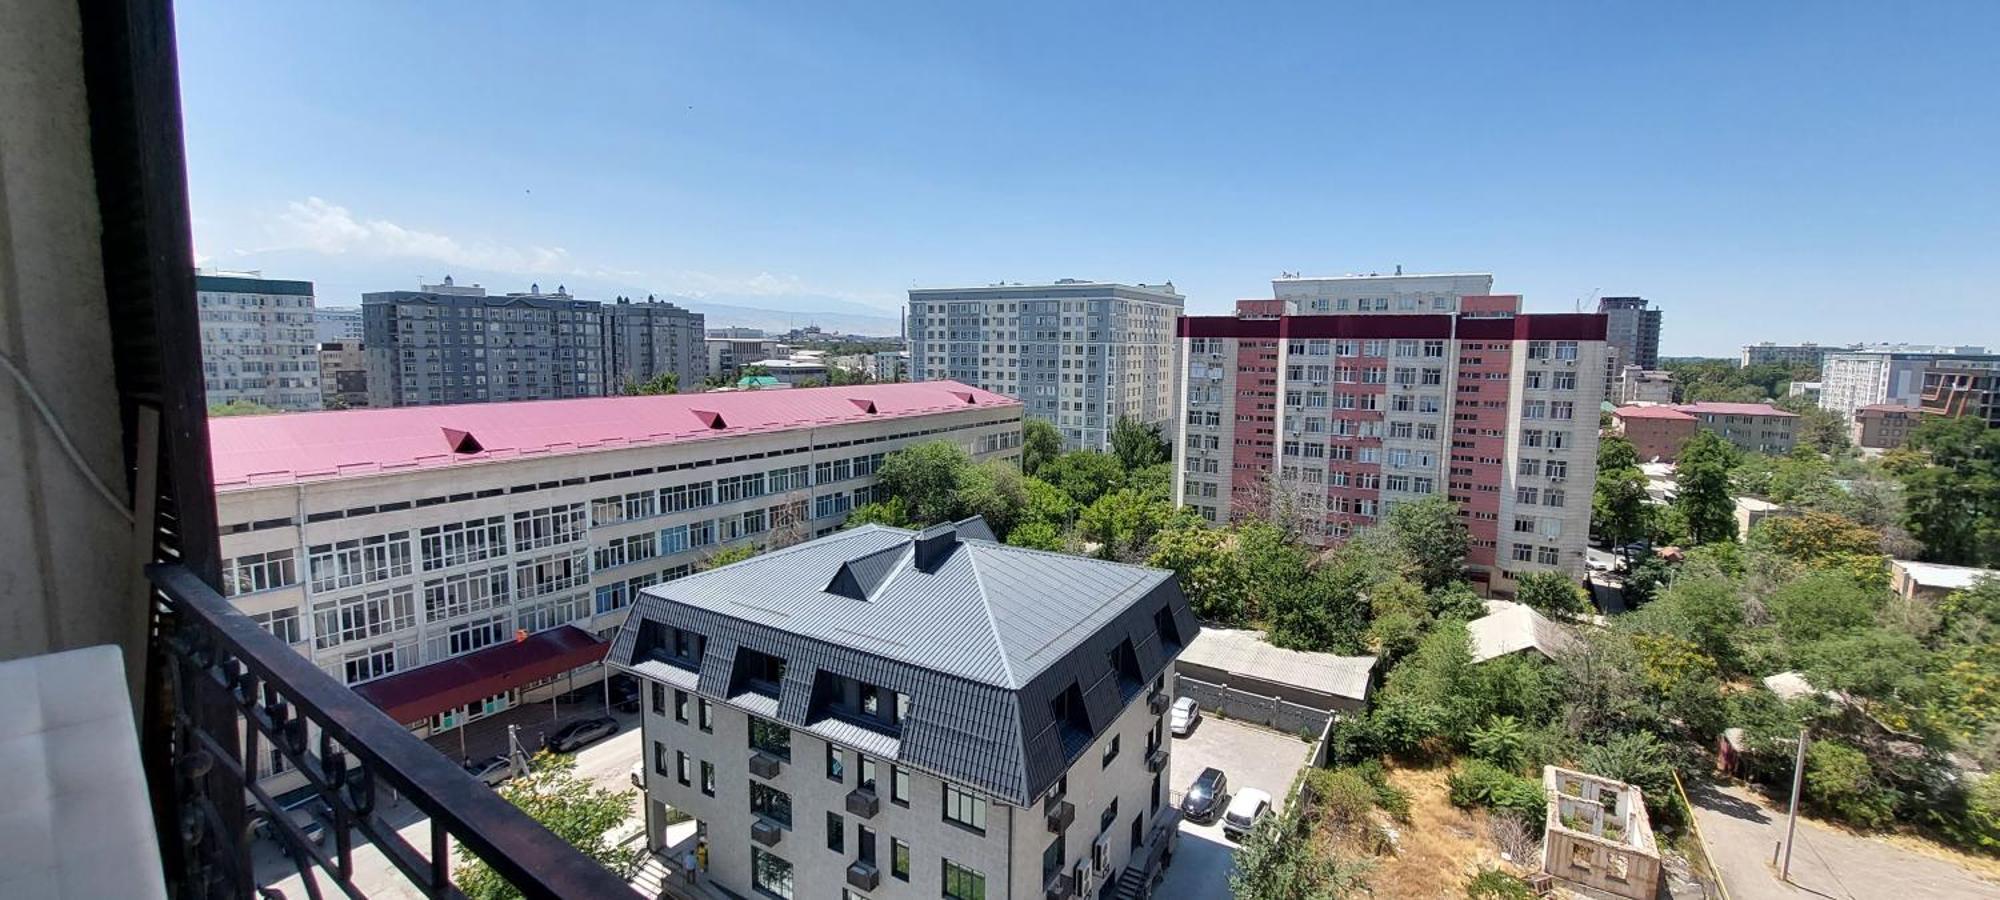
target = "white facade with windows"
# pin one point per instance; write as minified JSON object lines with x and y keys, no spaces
{"x":377,"y":573}
{"x":258,"y":340}
{"x":1080,"y":355}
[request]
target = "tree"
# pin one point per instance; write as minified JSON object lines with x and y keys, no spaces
{"x":1281,"y":860}
{"x":728,"y":555}
{"x":1500,"y":742}
{"x":926,"y":478}
{"x":1047,"y":503}
{"x":1036,"y":536}
{"x":1274,"y":567}
{"x":1432,"y":537}
{"x":1123,"y":523}
{"x":1137,"y":444}
{"x":1618,"y":505}
{"x":1953,"y":490}
{"x":1821,"y":430}
{"x":1084,"y":475}
{"x":1825,"y":540}
{"x":571,"y":806}
{"x":1820,"y":605}
{"x":1702,"y":496}
{"x":881,"y":512}
{"x":663,"y":383}
{"x":1552,"y":594}
{"x":996,"y":492}
{"x":1206,"y":566}
{"x":1040,"y":442}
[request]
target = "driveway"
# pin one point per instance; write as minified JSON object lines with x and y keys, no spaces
{"x":1741,"y":831}
{"x":1251,"y":757}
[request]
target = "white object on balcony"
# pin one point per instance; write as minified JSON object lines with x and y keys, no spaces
{"x":77,"y":822}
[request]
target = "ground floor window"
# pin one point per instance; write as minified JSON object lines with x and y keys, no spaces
{"x":770,"y":874}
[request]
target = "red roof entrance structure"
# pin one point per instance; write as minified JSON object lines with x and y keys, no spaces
{"x":424,"y":692}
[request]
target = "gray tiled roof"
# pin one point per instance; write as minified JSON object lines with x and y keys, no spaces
{"x":981,"y":643}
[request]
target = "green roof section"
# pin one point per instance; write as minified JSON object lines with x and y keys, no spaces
{"x":238,"y":284}
{"x":757,"y":381}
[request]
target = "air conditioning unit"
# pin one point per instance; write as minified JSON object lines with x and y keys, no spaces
{"x":1083,"y":877}
{"x":1556,"y":478}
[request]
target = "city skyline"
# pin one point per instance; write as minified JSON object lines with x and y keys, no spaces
{"x":818,"y":164}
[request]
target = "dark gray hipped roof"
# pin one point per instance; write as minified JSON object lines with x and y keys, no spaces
{"x":980,"y":635}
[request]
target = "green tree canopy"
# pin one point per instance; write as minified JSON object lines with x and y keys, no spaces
{"x":1952,"y":489}
{"x":1431,"y":536}
{"x":1040,"y":442}
{"x":571,"y":806}
{"x":1138,"y":445}
{"x":1701,"y":474}
{"x":1084,"y":475}
{"x":927,"y":478}
{"x":1553,"y":594}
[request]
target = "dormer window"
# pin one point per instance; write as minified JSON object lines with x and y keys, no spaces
{"x":759,"y":672}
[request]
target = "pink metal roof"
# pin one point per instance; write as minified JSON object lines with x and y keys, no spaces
{"x":1735,"y":409}
{"x":287,"y":448}
{"x":1651,"y":412}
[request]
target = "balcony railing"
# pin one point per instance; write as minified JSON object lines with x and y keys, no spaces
{"x":223,"y":690}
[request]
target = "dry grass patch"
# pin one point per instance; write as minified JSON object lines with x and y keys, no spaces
{"x":1440,"y":847}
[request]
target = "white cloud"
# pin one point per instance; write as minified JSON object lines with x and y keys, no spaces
{"x":328,"y":228}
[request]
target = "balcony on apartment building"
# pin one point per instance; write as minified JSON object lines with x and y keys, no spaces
{"x":141,"y":703}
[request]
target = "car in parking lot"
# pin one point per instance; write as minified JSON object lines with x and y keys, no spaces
{"x":1183,"y":717}
{"x":1206,"y":796}
{"x":493,"y":770}
{"x":1249,"y":807}
{"x":581,"y":733}
{"x":301,"y":818}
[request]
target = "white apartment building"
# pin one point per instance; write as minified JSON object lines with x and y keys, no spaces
{"x":1342,"y":397}
{"x":258,"y":342}
{"x":892,"y":714}
{"x":337,"y":325}
{"x":1079,"y":354}
{"x":379,"y":542}
{"x":1886,"y":373}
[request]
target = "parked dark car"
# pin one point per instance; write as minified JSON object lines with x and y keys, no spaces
{"x":581,"y":733}
{"x":625,"y":694}
{"x":1207,"y":796}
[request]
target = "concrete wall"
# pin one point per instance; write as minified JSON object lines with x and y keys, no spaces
{"x":1258,"y":709}
{"x":66,"y":582}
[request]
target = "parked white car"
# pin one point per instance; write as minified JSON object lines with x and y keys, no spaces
{"x":1249,"y":807}
{"x":1185,"y":713}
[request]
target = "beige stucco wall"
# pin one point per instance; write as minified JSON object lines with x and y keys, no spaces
{"x":62,"y":584}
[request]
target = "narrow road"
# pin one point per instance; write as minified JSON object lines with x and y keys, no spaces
{"x":1741,"y":831}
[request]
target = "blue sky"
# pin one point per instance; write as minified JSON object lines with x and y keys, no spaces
{"x":1770,"y":171}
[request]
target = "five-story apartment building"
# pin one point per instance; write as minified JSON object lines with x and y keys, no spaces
{"x":900,"y":714}
{"x":1344,"y":396}
{"x":511,"y":540}
{"x":1080,"y":355}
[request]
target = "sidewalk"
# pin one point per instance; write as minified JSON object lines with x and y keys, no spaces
{"x":1742,"y":831}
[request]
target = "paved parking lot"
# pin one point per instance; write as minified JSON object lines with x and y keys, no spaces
{"x":1251,"y":757}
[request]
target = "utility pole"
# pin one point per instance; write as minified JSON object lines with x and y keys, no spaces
{"x":1792,"y":819}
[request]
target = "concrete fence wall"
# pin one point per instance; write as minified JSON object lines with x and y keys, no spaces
{"x":1257,"y":709}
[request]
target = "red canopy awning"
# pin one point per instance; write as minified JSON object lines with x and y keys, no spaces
{"x":421,"y":693}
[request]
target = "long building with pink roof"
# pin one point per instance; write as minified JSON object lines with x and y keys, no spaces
{"x":450,"y":562}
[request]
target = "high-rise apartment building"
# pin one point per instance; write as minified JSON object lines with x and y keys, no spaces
{"x":380,"y":542}
{"x":343,"y":375}
{"x":1886,"y":373}
{"x":453,"y":344}
{"x":337,"y":324}
{"x":1632,"y":330}
{"x":1963,"y":387}
{"x":1806,"y":354}
{"x":643,"y":341}
{"x":1345,"y":396}
{"x":935,"y":714}
{"x":1079,"y":354}
{"x":257,"y":340}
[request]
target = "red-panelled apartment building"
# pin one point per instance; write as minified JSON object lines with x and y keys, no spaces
{"x":1344,"y":396}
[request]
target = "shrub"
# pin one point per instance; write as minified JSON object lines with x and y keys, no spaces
{"x":1494,"y":884}
{"x":1483,"y":784}
{"x":1500,"y":742}
{"x":1341,"y":796}
{"x":1841,"y":783}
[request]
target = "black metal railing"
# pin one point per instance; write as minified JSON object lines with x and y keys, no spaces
{"x":232,"y":691}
